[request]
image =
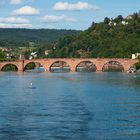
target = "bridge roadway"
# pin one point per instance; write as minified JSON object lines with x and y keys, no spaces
{"x":72,"y":62}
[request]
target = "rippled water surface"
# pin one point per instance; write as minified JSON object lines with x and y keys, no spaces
{"x":69,"y":106}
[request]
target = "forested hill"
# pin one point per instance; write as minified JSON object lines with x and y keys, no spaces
{"x":13,"y":36}
{"x":118,"y":37}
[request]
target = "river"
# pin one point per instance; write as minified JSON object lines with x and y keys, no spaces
{"x":69,"y":106}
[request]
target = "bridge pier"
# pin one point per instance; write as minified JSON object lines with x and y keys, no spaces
{"x":21,"y":66}
{"x":72,"y":69}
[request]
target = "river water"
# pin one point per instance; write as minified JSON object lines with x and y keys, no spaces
{"x":69,"y":106}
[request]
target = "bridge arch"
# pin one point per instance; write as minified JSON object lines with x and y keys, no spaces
{"x":113,"y":66}
{"x":135,"y":67}
{"x":9,"y":67}
{"x":85,"y":66}
{"x":59,"y":66}
{"x":30,"y":65}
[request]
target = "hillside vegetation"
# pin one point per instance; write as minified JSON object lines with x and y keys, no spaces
{"x":22,"y":37}
{"x":119,"y":37}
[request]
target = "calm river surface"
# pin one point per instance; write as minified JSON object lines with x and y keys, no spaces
{"x":70,"y":106}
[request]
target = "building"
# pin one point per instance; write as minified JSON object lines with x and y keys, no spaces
{"x":47,"y":52}
{"x":129,"y":17}
{"x":33,"y":55}
{"x":134,"y":56}
{"x":124,"y":23}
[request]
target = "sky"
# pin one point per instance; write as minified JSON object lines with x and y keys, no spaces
{"x":62,"y":14}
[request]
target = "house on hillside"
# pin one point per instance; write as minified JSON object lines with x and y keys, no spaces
{"x":129,"y":17}
{"x":47,"y":52}
{"x":134,"y":56}
{"x":111,"y":23}
{"x":33,"y":55}
{"x":124,"y":23}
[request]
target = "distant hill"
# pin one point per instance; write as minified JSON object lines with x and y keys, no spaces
{"x":12,"y":37}
{"x":118,"y":37}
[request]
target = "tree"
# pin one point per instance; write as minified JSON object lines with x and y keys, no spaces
{"x":135,"y":16}
{"x":9,"y":67}
{"x":30,"y":66}
{"x":118,"y":19}
{"x":138,"y":58}
{"x":106,"y":20}
{"x":137,"y":65}
{"x":27,"y":54}
{"x":2,"y":54}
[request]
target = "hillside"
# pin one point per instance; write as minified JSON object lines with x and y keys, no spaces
{"x":20,"y":37}
{"x":118,"y":37}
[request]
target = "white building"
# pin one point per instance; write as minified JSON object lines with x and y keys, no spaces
{"x":112,"y":23}
{"x":47,"y":52}
{"x":33,"y":55}
{"x":124,"y":23}
{"x":134,"y":56}
{"x":115,"y":24}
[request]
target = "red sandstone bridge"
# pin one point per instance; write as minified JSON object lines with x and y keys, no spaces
{"x":71,"y":62}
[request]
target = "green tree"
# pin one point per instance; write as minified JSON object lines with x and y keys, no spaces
{"x":2,"y":54}
{"x":106,"y":20}
{"x":9,"y":67}
{"x":138,"y":58}
{"x":118,"y":19}
{"x":30,"y":66}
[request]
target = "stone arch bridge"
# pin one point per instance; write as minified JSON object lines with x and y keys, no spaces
{"x":72,"y":62}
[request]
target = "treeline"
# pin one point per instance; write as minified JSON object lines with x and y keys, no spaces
{"x":118,"y":37}
{"x":22,"y":37}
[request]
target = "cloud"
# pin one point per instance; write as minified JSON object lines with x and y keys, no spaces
{"x":75,"y":6}
{"x":19,"y":1}
{"x":16,"y":1}
{"x":54,"y":19}
{"x":26,"y":11}
{"x":6,"y":25}
{"x":14,"y":20}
